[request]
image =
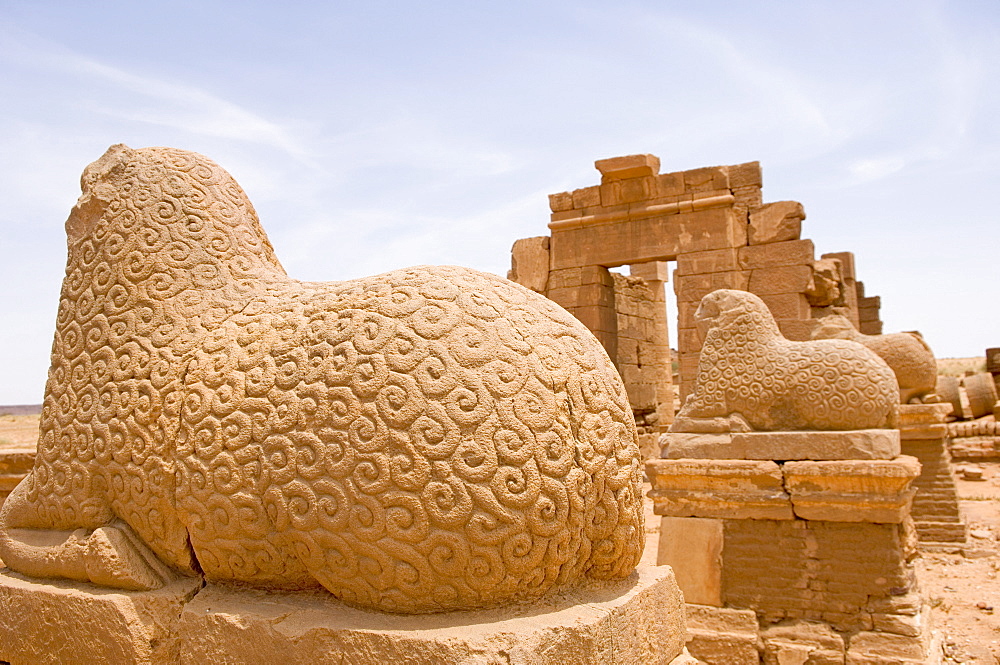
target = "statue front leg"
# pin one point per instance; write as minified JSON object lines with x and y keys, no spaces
{"x":109,"y":555}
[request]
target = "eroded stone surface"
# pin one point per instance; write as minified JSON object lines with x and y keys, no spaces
{"x":59,"y":622}
{"x":637,"y":620}
{"x":427,"y":439}
{"x":794,"y":445}
{"x":877,"y":491}
{"x":751,"y":377}
{"x":907,"y":354}
{"x":738,"y":489}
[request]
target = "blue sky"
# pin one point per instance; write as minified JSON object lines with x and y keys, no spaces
{"x":376,"y":135}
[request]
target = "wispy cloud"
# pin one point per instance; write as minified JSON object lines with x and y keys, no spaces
{"x":158,"y":102}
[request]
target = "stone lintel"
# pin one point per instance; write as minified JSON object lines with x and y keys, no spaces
{"x":736,"y":489}
{"x":865,"y":444}
{"x":877,"y":491}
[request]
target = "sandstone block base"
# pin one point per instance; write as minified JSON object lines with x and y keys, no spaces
{"x":852,"y":491}
{"x":723,"y":636}
{"x":638,"y":620}
{"x":54,"y":622}
{"x":738,"y":489}
{"x":863,"y":444}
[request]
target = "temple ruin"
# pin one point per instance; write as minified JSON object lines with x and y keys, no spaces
{"x":713,"y":223}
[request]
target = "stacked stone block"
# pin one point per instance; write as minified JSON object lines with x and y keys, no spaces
{"x":712,"y":221}
{"x":869,"y":322}
{"x":15,"y":463}
{"x":935,"y":511}
{"x":643,"y":357}
{"x":781,"y":545}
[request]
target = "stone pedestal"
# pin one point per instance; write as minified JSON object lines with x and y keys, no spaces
{"x":935,"y":511}
{"x":50,"y":622}
{"x":639,"y":620}
{"x":803,"y":557}
{"x":15,"y":463}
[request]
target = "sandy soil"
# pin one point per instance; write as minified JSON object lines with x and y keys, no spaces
{"x":959,"y":366}
{"x":963,"y":588}
{"x":18,"y":431}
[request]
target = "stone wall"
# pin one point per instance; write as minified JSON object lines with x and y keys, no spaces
{"x":713,"y":222}
{"x":836,"y":572}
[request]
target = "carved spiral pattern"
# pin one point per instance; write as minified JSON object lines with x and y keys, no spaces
{"x":748,"y":367}
{"x":428,"y":439}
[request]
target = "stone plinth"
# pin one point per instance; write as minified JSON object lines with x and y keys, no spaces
{"x":865,"y":444}
{"x":15,"y":463}
{"x":795,"y":559}
{"x":935,"y":510}
{"x":49,"y":622}
{"x":875,"y":491}
{"x":638,"y":620}
{"x":746,"y":489}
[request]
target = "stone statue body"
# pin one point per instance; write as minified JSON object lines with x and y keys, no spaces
{"x":751,"y":378}
{"x":429,"y":439}
{"x":906,"y":353}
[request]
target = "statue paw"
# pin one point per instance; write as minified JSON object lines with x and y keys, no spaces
{"x":114,"y":559}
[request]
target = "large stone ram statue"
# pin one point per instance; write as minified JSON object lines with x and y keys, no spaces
{"x":423,"y":440}
{"x":751,"y":378}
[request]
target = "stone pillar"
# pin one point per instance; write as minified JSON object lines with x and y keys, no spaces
{"x":588,"y":293}
{"x":935,"y":512}
{"x":655,"y":274}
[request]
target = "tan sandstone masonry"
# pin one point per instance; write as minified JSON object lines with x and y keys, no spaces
{"x":429,"y":439}
{"x":785,"y":501}
{"x":713,"y":223}
{"x":636,"y":620}
{"x":935,"y":512}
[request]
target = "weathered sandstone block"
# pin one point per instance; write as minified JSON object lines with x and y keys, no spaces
{"x":802,"y":642}
{"x":55,"y":623}
{"x":776,"y":222}
{"x":692,"y":547}
{"x":794,"y":445}
{"x":15,"y":464}
{"x":637,"y":620}
{"x":736,"y":489}
{"x":529,"y":260}
{"x":428,"y":439}
{"x":751,"y":378}
{"x":723,"y":636}
{"x":876,"y":491}
{"x":629,"y":166}
{"x":826,"y":287}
